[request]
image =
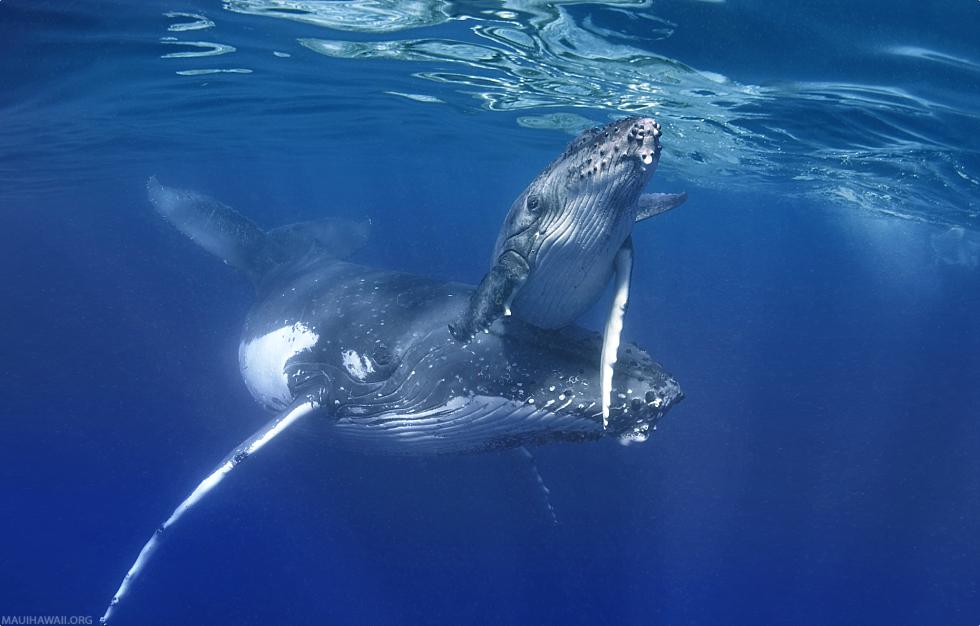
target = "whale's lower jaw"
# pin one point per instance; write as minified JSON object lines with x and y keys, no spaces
{"x":471,"y":424}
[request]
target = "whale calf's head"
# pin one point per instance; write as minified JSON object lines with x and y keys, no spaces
{"x":592,"y":185}
{"x":616,"y":158}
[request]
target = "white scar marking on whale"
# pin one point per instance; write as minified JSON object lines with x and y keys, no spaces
{"x":263,"y":362}
{"x":358,"y":366}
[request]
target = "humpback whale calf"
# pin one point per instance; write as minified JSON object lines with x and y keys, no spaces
{"x":569,"y":232}
{"x":365,"y":356}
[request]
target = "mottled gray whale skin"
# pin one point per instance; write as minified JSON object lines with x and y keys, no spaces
{"x":556,"y":251}
{"x":372,"y":347}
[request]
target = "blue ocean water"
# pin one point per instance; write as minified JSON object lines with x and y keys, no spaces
{"x":817,"y":298}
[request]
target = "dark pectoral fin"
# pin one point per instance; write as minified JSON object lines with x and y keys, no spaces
{"x":492,"y":296}
{"x":650,"y":204}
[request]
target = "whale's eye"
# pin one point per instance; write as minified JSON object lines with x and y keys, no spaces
{"x":533,"y":203}
{"x":382,"y":355}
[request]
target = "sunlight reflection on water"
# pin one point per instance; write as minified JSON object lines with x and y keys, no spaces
{"x":534,"y":55}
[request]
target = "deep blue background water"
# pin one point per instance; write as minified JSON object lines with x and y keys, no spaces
{"x":817,"y":299}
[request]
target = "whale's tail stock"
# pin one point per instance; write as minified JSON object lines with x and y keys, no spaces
{"x":241,"y":243}
{"x":238,"y":241}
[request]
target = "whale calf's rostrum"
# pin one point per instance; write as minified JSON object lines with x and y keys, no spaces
{"x":365,"y":356}
{"x":568,"y":233}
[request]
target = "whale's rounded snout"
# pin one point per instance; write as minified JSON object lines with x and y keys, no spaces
{"x":644,"y":136}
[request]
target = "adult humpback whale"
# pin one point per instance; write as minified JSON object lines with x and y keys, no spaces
{"x":569,"y":232}
{"x":367,"y":356}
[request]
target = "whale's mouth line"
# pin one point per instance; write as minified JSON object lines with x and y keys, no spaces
{"x":481,"y":422}
{"x":411,"y":400}
{"x":437,"y":412}
{"x":465,"y":424}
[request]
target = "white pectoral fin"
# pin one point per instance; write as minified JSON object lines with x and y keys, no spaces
{"x":245,"y":449}
{"x":614,"y":324}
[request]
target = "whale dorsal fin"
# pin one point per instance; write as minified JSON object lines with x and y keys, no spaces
{"x":241,"y":243}
{"x":334,"y":237}
{"x":650,"y":204}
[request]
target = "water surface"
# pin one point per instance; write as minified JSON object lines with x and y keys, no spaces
{"x":817,"y":298}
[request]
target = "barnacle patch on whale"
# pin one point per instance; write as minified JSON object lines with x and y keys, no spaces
{"x":357,"y":365}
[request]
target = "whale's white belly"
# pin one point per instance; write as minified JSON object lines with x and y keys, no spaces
{"x":570,"y":271}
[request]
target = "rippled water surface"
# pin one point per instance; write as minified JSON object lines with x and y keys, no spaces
{"x":872,"y":106}
{"x":816,"y":298}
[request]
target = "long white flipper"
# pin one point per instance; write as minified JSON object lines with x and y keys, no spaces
{"x":266,"y":434}
{"x":614,"y":324}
